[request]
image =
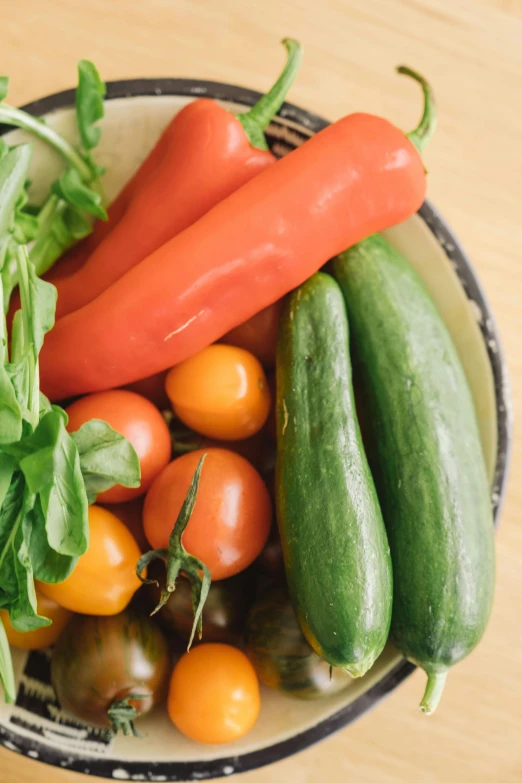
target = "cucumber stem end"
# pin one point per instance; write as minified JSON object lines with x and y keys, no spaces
{"x":433,"y":692}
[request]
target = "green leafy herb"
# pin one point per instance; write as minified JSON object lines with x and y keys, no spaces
{"x":52,"y":471}
{"x":13,"y":173}
{"x":89,"y":103}
{"x":72,"y":190}
{"x":6,"y":667}
{"x":48,"y":565}
{"x":106,"y":458}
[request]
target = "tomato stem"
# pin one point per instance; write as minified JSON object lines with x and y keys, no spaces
{"x":122,"y":715}
{"x":177,"y":559}
{"x":263,"y":112}
{"x":421,"y":135}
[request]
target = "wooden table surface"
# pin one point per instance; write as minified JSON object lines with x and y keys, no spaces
{"x":472,"y":52}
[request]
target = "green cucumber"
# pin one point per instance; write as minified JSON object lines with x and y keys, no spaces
{"x":336,"y":554}
{"x":430,"y":470}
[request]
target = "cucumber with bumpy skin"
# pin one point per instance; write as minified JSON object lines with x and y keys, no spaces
{"x":334,"y":543}
{"x":430,"y":470}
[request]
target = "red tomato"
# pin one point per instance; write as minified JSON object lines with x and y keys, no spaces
{"x":136,"y":419}
{"x":214,"y":694}
{"x":231,"y":519}
{"x":259,"y":334}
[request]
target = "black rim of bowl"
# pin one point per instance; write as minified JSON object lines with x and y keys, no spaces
{"x":228,"y":765}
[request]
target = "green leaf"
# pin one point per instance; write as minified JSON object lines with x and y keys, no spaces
{"x":10,"y":412}
{"x":13,"y":174}
{"x":89,"y":103}
{"x":106,"y":458}
{"x":52,"y":471}
{"x":6,"y":668}
{"x":71,"y":188}
{"x":4,"y":87}
{"x":7,"y":466}
{"x":16,"y":575}
{"x":30,"y":324}
{"x":48,"y":566}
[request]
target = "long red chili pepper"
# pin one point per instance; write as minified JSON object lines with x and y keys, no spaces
{"x":357,"y":176}
{"x":205,"y":153}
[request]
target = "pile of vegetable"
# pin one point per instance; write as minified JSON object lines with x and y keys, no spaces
{"x":137,"y":525}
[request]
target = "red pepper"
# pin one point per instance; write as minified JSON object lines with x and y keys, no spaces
{"x":204,"y":155}
{"x":356,"y":177}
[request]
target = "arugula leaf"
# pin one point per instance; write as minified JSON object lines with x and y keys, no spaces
{"x":74,"y":191}
{"x":48,"y":566}
{"x":4,"y":87}
{"x":10,"y":412}
{"x":60,"y":226}
{"x":52,"y":471}
{"x":16,"y":575}
{"x":6,"y":668}
{"x":13,"y":174}
{"x":89,"y":103}
{"x":106,"y":458}
{"x":7,"y":467}
{"x":30,"y":324}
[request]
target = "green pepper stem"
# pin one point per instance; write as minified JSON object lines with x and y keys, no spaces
{"x":9,"y":115}
{"x":262,"y":113}
{"x":433,"y":692}
{"x":176,"y":559}
{"x":421,"y":135}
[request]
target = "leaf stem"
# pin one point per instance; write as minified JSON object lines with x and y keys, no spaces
{"x":9,"y":115}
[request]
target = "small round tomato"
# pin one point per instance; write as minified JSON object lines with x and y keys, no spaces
{"x":259,"y":334}
{"x":136,"y":419}
{"x":214,"y":694}
{"x":100,"y":663}
{"x":41,"y":637}
{"x":104,"y":579}
{"x":231,"y":518}
{"x":220,"y":392}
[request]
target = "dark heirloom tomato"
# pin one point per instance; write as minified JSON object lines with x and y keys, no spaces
{"x":280,"y":654}
{"x":110,"y":670}
{"x":259,"y":334}
{"x":223,"y":614}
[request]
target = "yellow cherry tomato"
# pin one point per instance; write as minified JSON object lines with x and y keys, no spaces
{"x":104,"y":579}
{"x":214,"y":694}
{"x":41,"y":637}
{"x":221,"y":392}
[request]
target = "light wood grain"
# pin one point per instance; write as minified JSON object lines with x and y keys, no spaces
{"x":472,"y":52}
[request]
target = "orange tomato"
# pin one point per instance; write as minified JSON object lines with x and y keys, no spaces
{"x":104,"y":579}
{"x":136,"y":419}
{"x":41,"y":637}
{"x":214,"y":694}
{"x":259,"y":334}
{"x":220,"y":392}
{"x":231,"y":519}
